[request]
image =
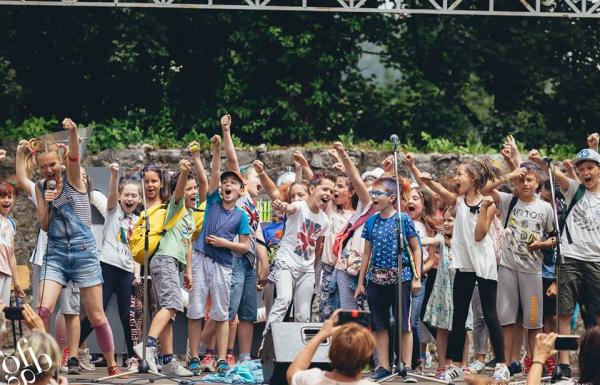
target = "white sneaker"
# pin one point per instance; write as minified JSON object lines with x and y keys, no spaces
{"x":176,"y":369}
{"x":84,"y":360}
{"x":454,"y":374}
{"x":150,"y":356}
{"x":476,"y":367}
{"x":501,"y":373}
{"x":132,"y":364}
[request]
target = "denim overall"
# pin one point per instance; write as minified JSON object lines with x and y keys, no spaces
{"x":71,"y":253}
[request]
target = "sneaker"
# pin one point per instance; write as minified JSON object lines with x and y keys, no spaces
{"x":501,"y":373}
{"x":454,"y":374}
{"x":194,"y":366}
{"x":439,"y":373}
{"x":490,"y":365}
{"x":150,"y":356}
{"x":565,"y":370}
{"x":73,"y":366}
{"x":408,"y":379}
{"x":549,"y":365}
{"x":515,"y":369}
{"x":85,"y":361}
{"x":132,"y":364}
{"x":428,"y":360}
{"x":64,"y":360}
{"x":114,"y":370}
{"x":527,"y":362}
{"x":380,"y":373}
{"x":222,"y":366}
{"x":208,"y":363}
{"x":230,"y":360}
{"x":175,"y":368}
{"x":476,"y":367}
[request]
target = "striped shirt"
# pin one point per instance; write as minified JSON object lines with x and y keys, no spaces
{"x":79,"y":200}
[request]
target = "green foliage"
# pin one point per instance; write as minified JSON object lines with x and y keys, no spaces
{"x":116,"y":134}
{"x":561,"y":151}
{"x":29,"y":128}
{"x":347,"y":139}
{"x":443,"y":145}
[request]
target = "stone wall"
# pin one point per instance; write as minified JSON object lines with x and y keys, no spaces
{"x":275,"y":161}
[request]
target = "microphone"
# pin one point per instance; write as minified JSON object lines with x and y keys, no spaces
{"x":394,"y":139}
{"x":51,"y":186}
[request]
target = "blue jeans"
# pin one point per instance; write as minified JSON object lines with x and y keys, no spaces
{"x":71,"y":253}
{"x":243,"y":290}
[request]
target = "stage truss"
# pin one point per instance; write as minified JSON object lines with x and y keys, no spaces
{"x":523,"y":8}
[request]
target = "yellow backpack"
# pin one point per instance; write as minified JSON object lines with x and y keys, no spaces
{"x":199,"y":219}
{"x":158,"y":228}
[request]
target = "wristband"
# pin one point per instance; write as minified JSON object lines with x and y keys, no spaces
{"x":73,"y":159}
{"x":260,"y":174}
{"x":537,"y":362}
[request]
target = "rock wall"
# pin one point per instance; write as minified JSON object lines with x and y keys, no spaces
{"x":275,"y":161}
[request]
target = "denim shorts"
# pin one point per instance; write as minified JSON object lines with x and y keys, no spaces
{"x":243,"y":290}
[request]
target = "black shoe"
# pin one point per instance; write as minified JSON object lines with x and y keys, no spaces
{"x":515,"y":368}
{"x":73,"y":366}
{"x":565,"y":370}
{"x":490,"y":366}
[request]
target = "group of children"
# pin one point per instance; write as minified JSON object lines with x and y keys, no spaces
{"x":476,"y":253}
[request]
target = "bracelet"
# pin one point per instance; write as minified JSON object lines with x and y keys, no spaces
{"x":260,"y":174}
{"x":346,"y":158}
{"x":537,"y":362}
{"x":73,"y":159}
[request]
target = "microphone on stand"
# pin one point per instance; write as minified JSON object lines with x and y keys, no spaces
{"x":394,"y":140}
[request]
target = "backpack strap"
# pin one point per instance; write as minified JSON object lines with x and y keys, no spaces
{"x":511,"y":206}
{"x":174,"y":220}
{"x":576,"y":198}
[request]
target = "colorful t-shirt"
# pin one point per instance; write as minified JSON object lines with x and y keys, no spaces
{"x":583,"y":223}
{"x":176,"y":241}
{"x":8,"y":230}
{"x":527,"y":222}
{"x":302,"y":230}
{"x":118,"y":227}
{"x":246,"y":203}
{"x":383,"y":235}
{"x":222,"y":223}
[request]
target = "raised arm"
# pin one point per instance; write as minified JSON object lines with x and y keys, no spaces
{"x":232,"y":162}
{"x":559,"y":177}
{"x":593,"y":140}
{"x":194,"y":148}
{"x":113,"y":187}
{"x":306,"y":170}
{"x":73,"y":157}
{"x":184,"y":167}
{"x":511,"y":144}
{"x":353,"y":174}
{"x":493,"y":185}
{"x":267,"y":183}
{"x":215,"y":166}
{"x":447,"y":196}
{"x":23,"y":180}
{"x":569,"y":169}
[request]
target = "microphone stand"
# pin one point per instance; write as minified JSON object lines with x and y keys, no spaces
{"x":401,"y":370}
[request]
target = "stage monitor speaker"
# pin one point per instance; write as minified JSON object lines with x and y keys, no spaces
{"x":283,"y":343}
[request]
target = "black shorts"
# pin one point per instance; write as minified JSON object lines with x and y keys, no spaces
{"x":549,"y":302}
{"x":382,"y":299}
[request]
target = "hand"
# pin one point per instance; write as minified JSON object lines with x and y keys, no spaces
{"x":415,"y":285}
{"x":360,"y":290}
{"x":185,"y":166}
{"x":552,"y":290}
{"x":338,"y":168}
{"x":535,"y":157}
{"x":19,"y":291}
{"x":334,"y":155}
{"x":258,"y":167}
{"x":187,"y":278}
{"x":114,"y":168}
{"x":535,"y":245}
{"x":22,"y":146}
{"x":68,"y":124}
{"x":593,"y":140}
{"x":487,"y":202}
{"x":506,"y":153}
{"x":511,"y":143}
{"x":339,"y":148}
{"x":544,"y":346}
{"x":261,"y":283}
{"x":32,"y":320}
{"x":518,"y":173}
{"x":215,"y":140}
{"x":279,"y":205}
{"x":409,"y":159}
{"x":226,"y":122}
{"x":299,"y":157}
{"x":215,"y":241}
{"x":194,"y":149}
{"x":388,"y":164}
{"x":568,"y":165}
{"x":330,"y":325}
{"x":2,"y":154}
{"x":426,"y":177}
{"x":49,"y":196}
{"x":137,"y":281}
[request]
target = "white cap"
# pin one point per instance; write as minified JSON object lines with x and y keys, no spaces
{"x":586,"y":154}
{"x":376,"y":173}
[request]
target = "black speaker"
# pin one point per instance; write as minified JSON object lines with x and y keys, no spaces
{"x":283,"y":343}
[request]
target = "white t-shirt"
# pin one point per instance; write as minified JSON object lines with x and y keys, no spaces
{"x":422,"y":231}
{"x":115,"y":238}
{"x":584,"y":226}
{"x":337,"y":220}
{"x":302,"y":229}
{"x":37,"y":257}
{"x":528,"y":222}
{"x":316,"y":376}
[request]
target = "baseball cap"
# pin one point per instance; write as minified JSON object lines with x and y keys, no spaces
{"x":586,"y":154}
{"x":376,"y":173}
{"x":233,"y":174}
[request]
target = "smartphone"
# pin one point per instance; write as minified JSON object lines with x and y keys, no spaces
{"x":359,"y":316}
{"x":13,"y":313}
{"x":566,"y":342}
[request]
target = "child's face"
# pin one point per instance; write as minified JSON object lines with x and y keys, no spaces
{"x":129,"y":197}
{"x":381,"y":199}
{"x":231,"y":189}
{"x":526,"y":186}
{"x":463,"y":180}
{"x":298,"y":193}
{"x":589,"y":172}
{"x":321,"y":193}
{"x":341,"y":192}
{"x":6,"y":203}
{"x":448,"y":223}
{"x":152,"y":184}
{"x":414,"y":206}
{"x":191,"y":192}
{"x":49,"y":165}
{"x":252,"y":184}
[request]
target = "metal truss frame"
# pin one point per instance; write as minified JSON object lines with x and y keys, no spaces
{"x":523,"y":8}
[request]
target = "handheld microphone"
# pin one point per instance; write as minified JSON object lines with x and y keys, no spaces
{"x":51,"y":186}
{"x":394,"y":139}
